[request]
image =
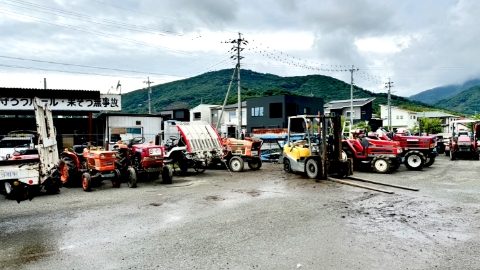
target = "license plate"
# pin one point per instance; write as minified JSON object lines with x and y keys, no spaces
{"x":254,"y":153}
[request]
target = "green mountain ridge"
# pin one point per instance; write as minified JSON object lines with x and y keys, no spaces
{"x":434,"y":95}
{"x":467,"y":101}
{"x":211,"y":88}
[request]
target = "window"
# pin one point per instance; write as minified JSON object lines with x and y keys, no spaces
{"x":138,"y":123}
{"x":333,"y":114}
{"x":232,"y":116}
{"x":414,"y":117}
{"x":134,"y":130}
{"x":275,"y":110}
{"x":197,"y":116}
{"x":179,"y":114}
{"x":257,"y":111}
{"x":401,"y":116}
{"x":398,"y":117}
{"x":348,"y":114}
{"x":364,"y":112}
{"x":214,"y":115}
{"x":306,"y":110}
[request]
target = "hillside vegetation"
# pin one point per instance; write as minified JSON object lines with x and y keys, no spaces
{"x":433,"y":96}
{"x":467,"y":102}
{"x":211,"y":88}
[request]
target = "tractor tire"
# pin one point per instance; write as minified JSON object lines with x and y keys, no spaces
{"x":287,"y":167}
{"x":452,"y":155}
{"x":255,"y":164}
{"x":313,"y":170}
{"x":183,"y":165}
{"x":429,"y":162}
{"x":8,"y":189}
{"x":381,"y":164}
{"x":86,"y":182}
{"x":167,"y":174}
{"x":414,"y":160}
{"x":236,"y":164}
{"x":116,"y":180}
{"x":131,"y":178}
{"x":69,"y":169}
{"x":200,"y":166}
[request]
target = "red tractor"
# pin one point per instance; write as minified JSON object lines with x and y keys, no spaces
{"x":382,"y":156}
{"x":89,"y":164}
{"x":139,"y":159}
{"x":463,"y":143}
{"x":418,"y":151}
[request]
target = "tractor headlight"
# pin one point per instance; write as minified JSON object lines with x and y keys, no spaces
{"x":102,"y":156}
{"x":155,"y":151}
{"x":113,"y":155}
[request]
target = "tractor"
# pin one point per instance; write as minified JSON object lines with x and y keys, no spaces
{"x":316,"y":154}
{"x":89,"y":164}
{"x":418,"y":151}
{"x":237,"y":152}
{"x":136,"y":159}
{"x":464,"y":143}
{"x":380,"y":155}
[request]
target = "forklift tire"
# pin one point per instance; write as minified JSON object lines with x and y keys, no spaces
{"x":381,"y":164}
{"x":429,"y":162}
{"x":255,"y":164}
{"x":414,"y":160}
{"x":236,"y":164}
{"x":312,"y":169}
{"x":116,"y":180}
{"x":86,"y":182}
{"x":131,"y":178}
{"x":286,"y":166}
{"x":167,"y":174}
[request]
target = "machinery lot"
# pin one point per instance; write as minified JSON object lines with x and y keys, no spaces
{"x":265,"y":219}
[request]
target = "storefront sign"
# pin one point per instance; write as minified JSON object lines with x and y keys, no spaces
{"x":104,"y":103}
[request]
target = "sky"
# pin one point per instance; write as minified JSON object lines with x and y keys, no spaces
{"x":95,"y":44}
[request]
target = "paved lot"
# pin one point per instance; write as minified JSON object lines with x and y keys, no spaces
{"x":264,"y":219}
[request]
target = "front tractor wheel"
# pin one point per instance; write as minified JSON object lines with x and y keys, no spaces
{"x":312,"y":169}
{"x":116,"y":179}
{"x":414,"y":160}
{"x":167,"y":174}
{"x":236,"y":164}
{"x":429,"y":161}
{"x":86,"y":182}
{"x":132,"y":178}
{"x":255,"y":164}
{"x":381,"y":165}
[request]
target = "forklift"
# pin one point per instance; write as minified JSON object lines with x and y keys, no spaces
{"x":314,"y":146}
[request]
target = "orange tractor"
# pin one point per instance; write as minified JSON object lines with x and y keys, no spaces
{"x":237,"y":152}
{"x":89,"y":164}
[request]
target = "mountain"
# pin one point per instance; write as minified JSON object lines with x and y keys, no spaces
{"x":211,"y":87}
{"x":432,"y":96}
{"x":467,"y":102}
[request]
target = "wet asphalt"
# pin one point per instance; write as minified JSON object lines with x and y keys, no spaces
{"x":264,"y":219}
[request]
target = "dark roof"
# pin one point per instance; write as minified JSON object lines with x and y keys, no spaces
{"x":340,"y":104}
{"x":48,"y":93}
{"x":176,"y":106}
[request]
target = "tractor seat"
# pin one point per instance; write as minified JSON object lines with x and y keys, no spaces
{"x":78,"y":149}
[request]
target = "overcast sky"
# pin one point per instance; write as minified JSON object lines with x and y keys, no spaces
{"x":417,"y":44}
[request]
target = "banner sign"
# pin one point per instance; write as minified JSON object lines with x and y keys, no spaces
{"x":110,"y":102}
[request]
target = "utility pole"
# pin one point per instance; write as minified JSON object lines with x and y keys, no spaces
{"x":45,"y":83}
{"x":351,"y":95}
{"x":389,"y":85}
{"x":149,"y":92}
{"x":238,"y":48}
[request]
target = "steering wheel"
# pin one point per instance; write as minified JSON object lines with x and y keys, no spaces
{"x":137,"y":140}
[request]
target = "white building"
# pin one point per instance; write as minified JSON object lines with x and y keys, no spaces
{"x":446,"y":118}
{"x":401,"y":118}
{"x":202,"y":113}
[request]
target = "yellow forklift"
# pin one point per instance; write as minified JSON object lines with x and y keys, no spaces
{"x":314,"y":146}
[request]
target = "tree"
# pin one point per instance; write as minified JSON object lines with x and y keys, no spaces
{"x":430,"y":125}
{"x":363,"y":126}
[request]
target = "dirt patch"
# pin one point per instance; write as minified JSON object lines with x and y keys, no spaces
{"x":156,"y":204}
{"x":214,"y":198}
{"x":253,"y":193}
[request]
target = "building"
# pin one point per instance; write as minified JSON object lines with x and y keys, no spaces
{"x":400,"y":118}
{"x":202,"y":113}
{"x":229,"y":122}
{"x":362,"y":109}
{"x":176,"y":111}
{"x":273,"y":111}
{"x":446,"y":118}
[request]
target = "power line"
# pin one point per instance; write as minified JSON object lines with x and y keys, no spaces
{"x":84,"y":66}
